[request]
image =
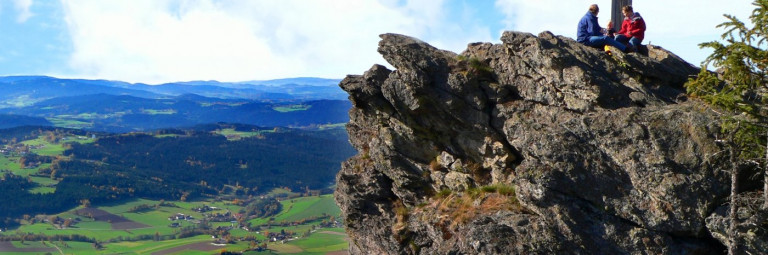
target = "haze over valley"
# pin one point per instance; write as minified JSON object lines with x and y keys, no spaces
{"x":79,"y":158}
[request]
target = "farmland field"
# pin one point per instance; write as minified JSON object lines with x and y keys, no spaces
{"x":100,"y":224}
{"x":8,"y":163}
{"x":41,"y":147}
{"x":301,"y":208}
{"x":69,"y":123}
{"x":291,"y":108}
{"x":232,"y":134}
{"x":45,"y":185}
{"x":156,"y":112}
{"x":307,"y":225}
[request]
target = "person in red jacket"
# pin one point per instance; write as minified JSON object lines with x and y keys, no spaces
{"x":632,"y":29}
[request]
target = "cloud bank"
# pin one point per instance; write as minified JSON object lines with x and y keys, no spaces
{"x":232,"y":40}
{"x":154,"y":41}
{"x":22,"y":8}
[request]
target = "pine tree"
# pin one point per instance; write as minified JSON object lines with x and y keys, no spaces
{"x":739,"y":88}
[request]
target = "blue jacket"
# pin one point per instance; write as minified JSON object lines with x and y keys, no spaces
{"x":588,"y":26}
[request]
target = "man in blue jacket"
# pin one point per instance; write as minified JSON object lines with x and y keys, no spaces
{"x":591,"y":34}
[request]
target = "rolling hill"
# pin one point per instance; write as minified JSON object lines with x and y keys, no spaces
{"x":115,"y":106}
{"x":26,"y":90}
{"x":11,"y":120}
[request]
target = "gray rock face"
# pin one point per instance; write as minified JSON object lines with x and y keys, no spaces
{"x":538,"y":145}
{"x":752,"y":228}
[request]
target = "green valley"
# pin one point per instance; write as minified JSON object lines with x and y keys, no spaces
{"x":201,"y":167}
{"x":168,"y":191}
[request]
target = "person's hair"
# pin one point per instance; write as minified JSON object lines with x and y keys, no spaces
{"x":593,"y":8}
{"x":627,"y":8}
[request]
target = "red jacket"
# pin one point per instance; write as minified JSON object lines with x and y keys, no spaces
{"x":633,"y":27}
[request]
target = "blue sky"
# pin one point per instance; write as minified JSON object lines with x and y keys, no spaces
{"x":155,"y":41}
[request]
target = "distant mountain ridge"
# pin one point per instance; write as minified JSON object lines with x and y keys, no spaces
{"x":116,"y":106}
{"x":27,"y":90}
{"x":32,"y":89}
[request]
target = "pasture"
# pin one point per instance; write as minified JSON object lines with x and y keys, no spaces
{"x":118,"y":227}
{"x":232,"y":134}
{"x":40,"y":146}
{"x":69,"y":123}
{"x":142,"y":226}
{"x":291,"y":108}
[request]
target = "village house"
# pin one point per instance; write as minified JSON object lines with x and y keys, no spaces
{"x":281,"y":237}
{"x":205,"y":208}
{"x":180,"y":216}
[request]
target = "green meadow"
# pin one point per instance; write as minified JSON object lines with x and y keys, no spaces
{"x":9,"y":163}
{"x":69,"y":123}
{"x":319,"y":241}
{"x":158,"y":112}
{"x":232,"y":134}
{"x":222,"y":103}
{"x":305,"y":207}
{"x":332,"y":126}
{"x":166,"y":135}
{"x":44,"y":148}
{"x":291,"y":108}
{"x":45,"y":185}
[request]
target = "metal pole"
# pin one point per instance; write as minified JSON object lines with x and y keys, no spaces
{"x":616,"y":16}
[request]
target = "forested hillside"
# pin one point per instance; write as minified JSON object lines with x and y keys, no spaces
{"x":173,"y":164}
{"x":9,"y":120}
{"x":124,"y":113}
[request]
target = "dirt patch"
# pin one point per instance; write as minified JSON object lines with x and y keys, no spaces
{"x":285,"y":248}
{"x":338,"y":253}
{"x":346,"y":237}
{"x":202,"y":246}
{"x":8,"y":247}
{"x":117,"y":222}
{"x":333,"y":233}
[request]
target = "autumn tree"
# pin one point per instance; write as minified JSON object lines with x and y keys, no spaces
{"x":53,"y":219}
{"x":23,"y":162}
{"x":739,"y":89}
{"x":86,"y":203}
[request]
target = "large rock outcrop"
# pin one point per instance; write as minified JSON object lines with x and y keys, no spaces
{"x":537,"y":145}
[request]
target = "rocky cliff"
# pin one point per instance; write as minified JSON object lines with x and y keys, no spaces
{"x":537,"y":145}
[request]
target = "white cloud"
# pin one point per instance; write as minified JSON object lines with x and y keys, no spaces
{"x":231,"y":40}
{"x":676,"y":25}
{"x":534,"y":16}
{"x":22,"y":7}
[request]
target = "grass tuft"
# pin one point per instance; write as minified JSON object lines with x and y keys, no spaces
{"x":465,"y":206}
{"x":444,"y":193}
{"x":480,"y":66}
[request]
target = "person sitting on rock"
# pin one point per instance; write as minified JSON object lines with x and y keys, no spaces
{"x":591,"y":34}
{"x":632,"y":28}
